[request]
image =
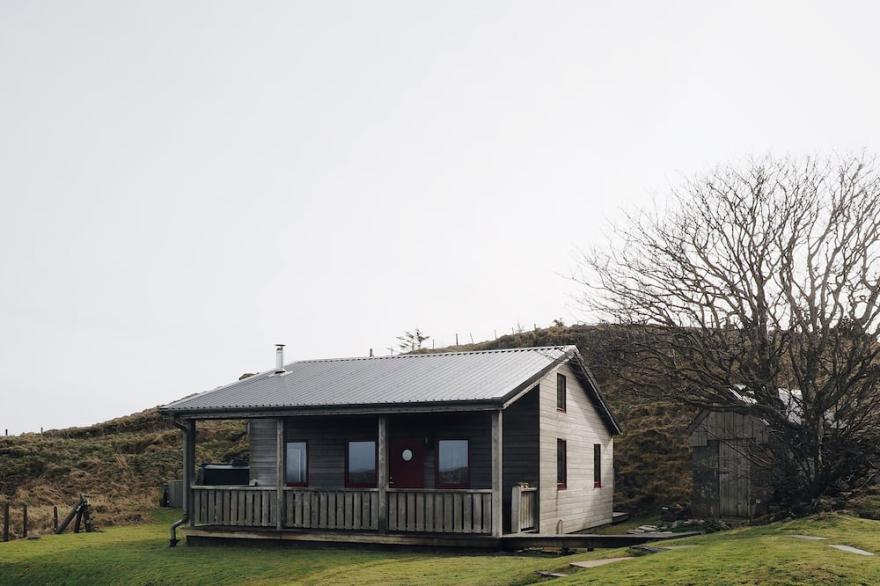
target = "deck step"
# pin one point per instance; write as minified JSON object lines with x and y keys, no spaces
{"x":618,"y":517}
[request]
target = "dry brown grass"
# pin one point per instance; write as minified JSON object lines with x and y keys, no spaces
{"x":121,"y":464}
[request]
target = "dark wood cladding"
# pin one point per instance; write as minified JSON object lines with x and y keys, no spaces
{"x":327,"y":437}
{"x":262,"y":437}
{"x":474,"y":427}
{"x":520,"y":447}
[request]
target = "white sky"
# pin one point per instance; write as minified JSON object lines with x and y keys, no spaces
{"x":183,"y":184}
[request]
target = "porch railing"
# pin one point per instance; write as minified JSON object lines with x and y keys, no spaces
{"x":408,"y":510}
{"x":523,"y":508}
{"x":234,"y":506}
{"x":440,"y":511}
{"x":323,"y":508}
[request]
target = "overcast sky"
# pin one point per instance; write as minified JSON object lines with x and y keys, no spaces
{"x":183,"y":184}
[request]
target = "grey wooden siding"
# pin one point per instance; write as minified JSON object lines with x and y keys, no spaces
{"x":440,"y":511}
{"x":262,"y":437}
{"x":474,"y":427}
{"x":727,"y":426}
{"x":520,"y":447}
{"x":327,"y":438}
{"x":348,"y":509}
{"x":728,"y":480}
{"x":581,"y":505}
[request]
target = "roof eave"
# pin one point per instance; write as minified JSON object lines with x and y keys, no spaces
{"x":342,"y":409}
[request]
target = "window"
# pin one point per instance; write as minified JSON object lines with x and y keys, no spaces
{"x":561,"y":465}
{"x":561,"y":392}
{"x":360,"y":464}
{"x":453,"y":463}
{"x":597,"y":465}
{"x":296,"y":468}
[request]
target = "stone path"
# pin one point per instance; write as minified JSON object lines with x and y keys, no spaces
{"x":851,"y":549}
{"x":846,"y":548}
{"x":597,"y":563}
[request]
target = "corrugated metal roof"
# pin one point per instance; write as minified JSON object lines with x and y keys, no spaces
{"x":487,"y":376}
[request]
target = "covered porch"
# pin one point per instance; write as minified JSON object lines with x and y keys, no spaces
{"x":404,"y":477}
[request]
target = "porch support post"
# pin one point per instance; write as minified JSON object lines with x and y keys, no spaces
{"x":189,"y":458}
{"x":515,"y":504}
{"x":279,"y":473}
{"x":497,"y":497}
{"x":382,"y":447}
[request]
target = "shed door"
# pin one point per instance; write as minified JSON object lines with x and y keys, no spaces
{"x":705,"y":486}
{"x":407,"y":463}
{"x":733,"y":478}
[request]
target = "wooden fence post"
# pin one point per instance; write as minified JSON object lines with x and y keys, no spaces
{"x":5,"y":521}
{"x":24,"y":521}
{"x":54,"y":519}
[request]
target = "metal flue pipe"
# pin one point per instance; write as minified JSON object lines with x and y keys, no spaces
{"x":279,"y":358}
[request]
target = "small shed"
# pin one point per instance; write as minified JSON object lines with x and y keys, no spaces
{"x":728,"y":478}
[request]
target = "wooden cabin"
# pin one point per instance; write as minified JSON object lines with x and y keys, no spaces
{"x":728,"y":477}
{"x":416,"y":448}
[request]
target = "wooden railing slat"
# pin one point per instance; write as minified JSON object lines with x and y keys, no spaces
{"x":417,"y":511}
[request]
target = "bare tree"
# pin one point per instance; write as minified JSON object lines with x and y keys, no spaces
{"x":412,"y":341}
{"x":758,"y":290}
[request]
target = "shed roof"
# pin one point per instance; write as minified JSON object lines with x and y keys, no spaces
{"x":792,"y":404}
{"x":489,"y":376}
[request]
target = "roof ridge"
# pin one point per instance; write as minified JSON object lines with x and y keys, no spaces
{"x":435,"y":354}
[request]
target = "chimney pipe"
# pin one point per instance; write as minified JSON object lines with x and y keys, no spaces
{"x":279,"y":358}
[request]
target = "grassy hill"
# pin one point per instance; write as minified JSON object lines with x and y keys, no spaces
{"x":122,"y":463}
{"x":753,"y":555}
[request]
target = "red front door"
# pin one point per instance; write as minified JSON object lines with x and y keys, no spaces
{"x":406,"y":463}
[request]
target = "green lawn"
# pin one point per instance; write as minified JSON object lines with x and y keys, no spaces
{"x":140,"y":555}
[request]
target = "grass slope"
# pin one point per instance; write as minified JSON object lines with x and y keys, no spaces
{"x":139,"y":555}
{"x":121,"y":464}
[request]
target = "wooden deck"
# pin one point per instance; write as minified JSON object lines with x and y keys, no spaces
{"x":510,"y":542}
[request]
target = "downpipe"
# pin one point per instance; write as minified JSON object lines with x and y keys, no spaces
{"x":173,"y":541}
{"x":182,"y":521}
